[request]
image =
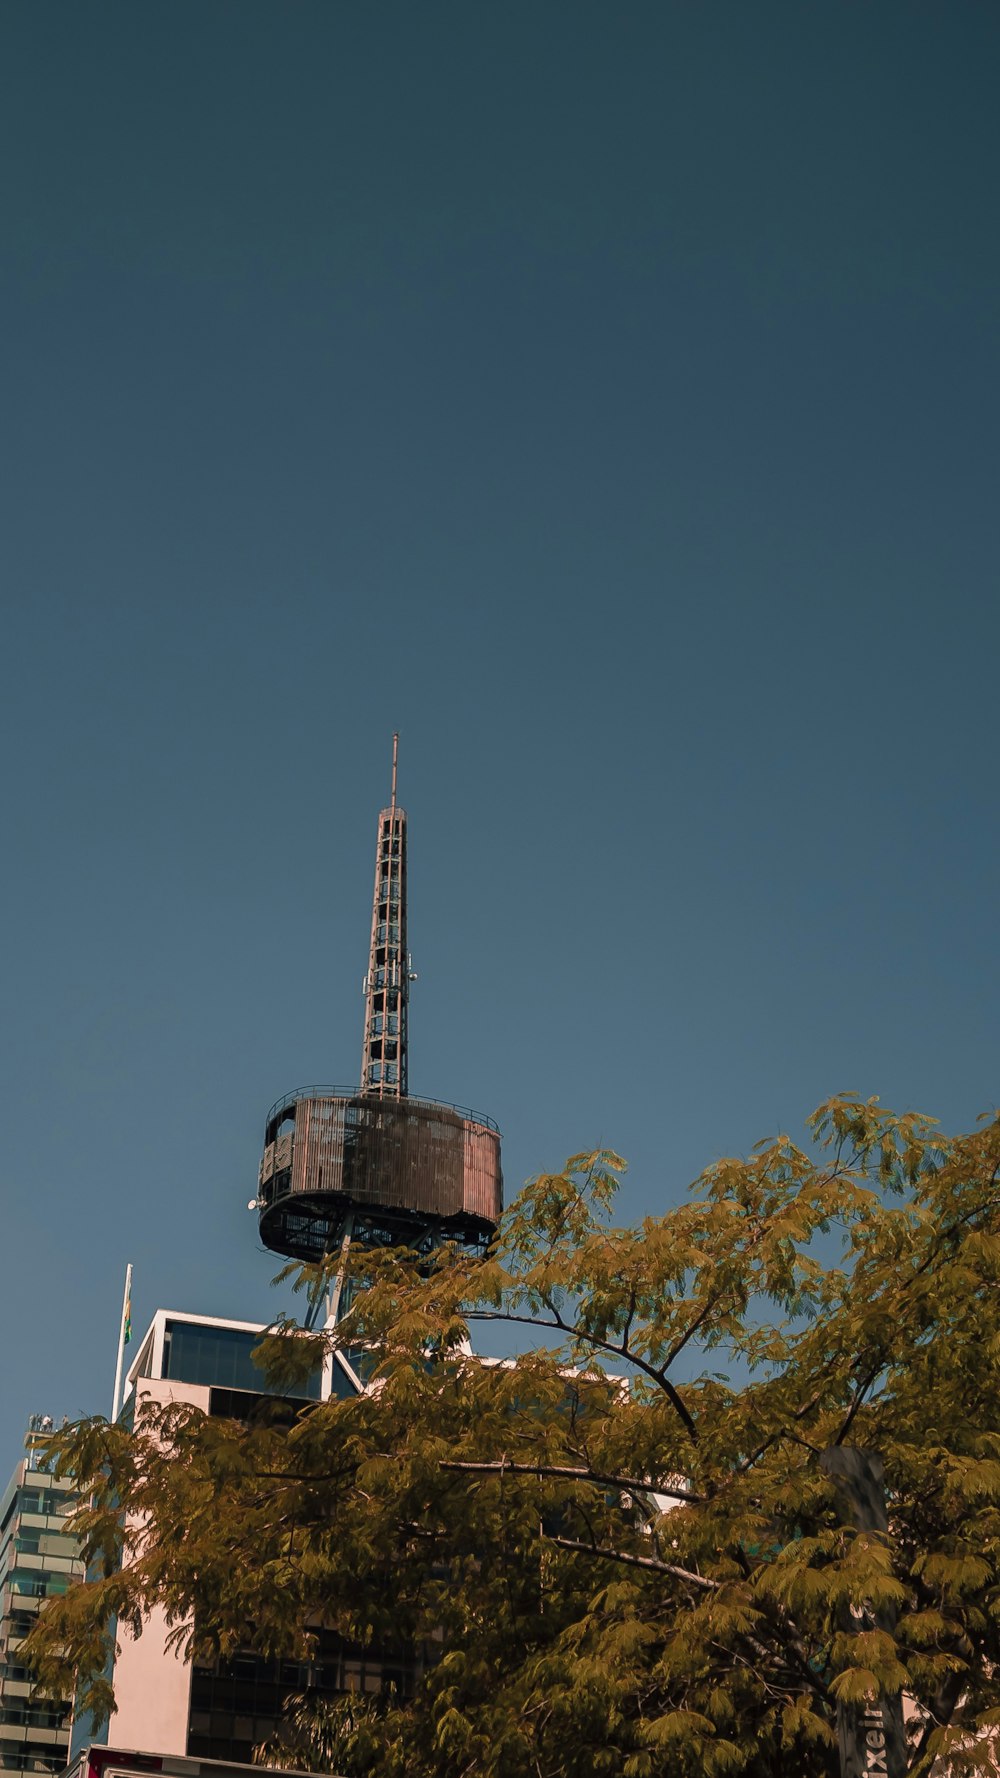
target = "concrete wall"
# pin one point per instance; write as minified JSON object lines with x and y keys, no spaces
{"x":153,"y":1683}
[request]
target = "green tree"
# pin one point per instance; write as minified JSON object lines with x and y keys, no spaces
{"x":640,"y":1577}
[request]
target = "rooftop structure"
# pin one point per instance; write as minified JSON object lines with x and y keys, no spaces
{"x":171,"y":1710}
{"x":374,"y":1164}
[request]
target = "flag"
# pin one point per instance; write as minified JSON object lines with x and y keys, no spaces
{"x":124,"y":1336}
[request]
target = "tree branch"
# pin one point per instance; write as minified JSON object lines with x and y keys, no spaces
{"x":566,"y":1472}
{"x":599,"y":1345}
{"x":703,"y":1584}
{"x":649,"y":1562}
{"x":774,"y":1438}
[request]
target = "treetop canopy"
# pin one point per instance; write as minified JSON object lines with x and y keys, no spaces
{"x":591,"y":1577}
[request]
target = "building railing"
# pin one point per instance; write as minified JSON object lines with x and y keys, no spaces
{"x":409,"y":1099}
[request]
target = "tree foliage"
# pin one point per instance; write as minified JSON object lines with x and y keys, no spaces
{"x":618,"y":1552}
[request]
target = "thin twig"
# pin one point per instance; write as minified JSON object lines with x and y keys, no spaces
{"x":599,"y":1345}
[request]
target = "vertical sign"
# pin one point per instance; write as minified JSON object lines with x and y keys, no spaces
{"x":871,"y":1737}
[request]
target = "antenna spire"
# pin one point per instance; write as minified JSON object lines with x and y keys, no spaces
{"x":387,"y":983}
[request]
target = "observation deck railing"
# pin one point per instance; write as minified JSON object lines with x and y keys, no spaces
{"x":388,"y":1099}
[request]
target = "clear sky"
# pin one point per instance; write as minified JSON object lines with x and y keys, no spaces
{"x":604,"y":396}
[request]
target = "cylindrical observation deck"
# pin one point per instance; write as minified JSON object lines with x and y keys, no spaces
{"x":410,"y":1172}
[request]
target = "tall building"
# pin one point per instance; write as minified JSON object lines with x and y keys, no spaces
{"x":342,"y":1166}
{"x":167,"y":1705}
{"x":37,"y":1559}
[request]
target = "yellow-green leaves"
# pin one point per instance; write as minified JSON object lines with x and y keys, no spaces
{"x":615,"y":1551}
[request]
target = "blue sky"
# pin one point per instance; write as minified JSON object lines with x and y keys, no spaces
{"x":606,"y":398}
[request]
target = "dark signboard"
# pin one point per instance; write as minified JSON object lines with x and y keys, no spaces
{"x":871,"y":1736}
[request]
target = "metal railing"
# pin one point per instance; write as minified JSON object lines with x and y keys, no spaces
{"x":386,"y":1101}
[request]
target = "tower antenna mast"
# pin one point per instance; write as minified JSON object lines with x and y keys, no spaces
{"x":355,"y":1169}
{"x":387,"y":982}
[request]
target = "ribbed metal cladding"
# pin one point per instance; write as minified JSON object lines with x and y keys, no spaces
{"x":407,"y":1157}
{"x":412,"y":1156}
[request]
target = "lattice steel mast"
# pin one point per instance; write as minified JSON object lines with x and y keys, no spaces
{"x":387,"y":983}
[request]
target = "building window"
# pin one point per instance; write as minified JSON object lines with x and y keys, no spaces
{"x":219,"y":1356}
{"x":237,"y":1704}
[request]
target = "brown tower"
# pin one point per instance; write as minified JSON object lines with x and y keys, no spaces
{"x":390,"y":1169}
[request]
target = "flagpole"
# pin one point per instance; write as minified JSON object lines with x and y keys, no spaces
{"x":126,"y":1315}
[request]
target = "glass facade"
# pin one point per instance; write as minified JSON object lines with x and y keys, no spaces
{"x":220,"y":1357}
{"x":236,"y":1705}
